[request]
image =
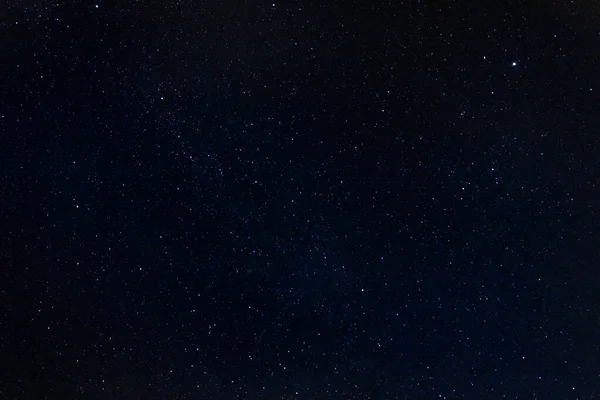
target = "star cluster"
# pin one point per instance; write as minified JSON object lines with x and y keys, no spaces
{"x":294,"y":201}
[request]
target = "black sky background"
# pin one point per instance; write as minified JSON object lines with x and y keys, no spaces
{"x":304,"y":201}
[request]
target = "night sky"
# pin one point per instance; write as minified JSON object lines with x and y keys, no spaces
{"x":357,"y":200}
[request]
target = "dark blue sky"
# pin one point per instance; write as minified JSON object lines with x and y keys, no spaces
{"x":299,"y":201}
